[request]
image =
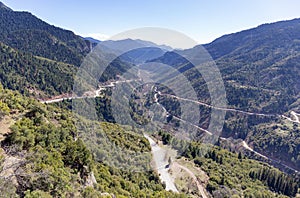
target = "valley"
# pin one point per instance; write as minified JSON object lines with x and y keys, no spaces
{"x":158,"y":153}
{"x":82,"y":117}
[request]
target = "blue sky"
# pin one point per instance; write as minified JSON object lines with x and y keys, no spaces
{"x":202,"y":20}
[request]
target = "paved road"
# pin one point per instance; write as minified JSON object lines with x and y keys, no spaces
{"x":161,"y":162}
{"x":89,"y":94}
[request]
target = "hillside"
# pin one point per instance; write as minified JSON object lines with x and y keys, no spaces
{"x":279,"y":35}
{"x":51,"y":157}
{"x":41,"y":60}
{"x":25,"y":32}
{"x":57,"y":153}
{"x":34,"y":75}
{"x":43,"y":78}
{"x":83,"y":146}
{"x":260,"y":69}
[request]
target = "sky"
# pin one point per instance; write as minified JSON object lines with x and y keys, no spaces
{"x":201,"y":20}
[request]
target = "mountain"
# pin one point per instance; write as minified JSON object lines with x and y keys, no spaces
{"x":49,"y":150}
{"x":260,"y":68}
{"x":92,"y":40}
{"x":127,"y":44}
{"x":279,"y":35}
{"x":25,"y":32}
{"x":40,"y":59}
{"x":142,"y":55}
{"x":4,"y":7}
{"x":136,"y":51}
{"x":151,"y":44}
{"x":265,"y":58}
{"x":41,"y":77}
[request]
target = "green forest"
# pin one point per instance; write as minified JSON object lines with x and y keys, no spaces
{"x":233,"y":174}
{"x":55,"y":163}
{"x":62,"y":149}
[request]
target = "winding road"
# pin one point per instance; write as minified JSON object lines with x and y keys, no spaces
{"x":220,"y":108}
{"x":295,"y":115}
{"x":204,"y":130}
{"x":161,"y":163}
{"x":88,"y":94}
{"x":159,"y":153}
{"x":244,"y":144}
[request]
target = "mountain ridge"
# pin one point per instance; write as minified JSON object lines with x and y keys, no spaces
{"x":61,"y":151}
{"x":226,"y":39}
{"x":260,"y":68}
{"x":13,"y":24}
{"x":3,"y":6}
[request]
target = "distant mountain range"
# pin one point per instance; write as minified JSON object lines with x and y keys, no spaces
{"x":127,"y":44}
{"x":136,"y":51}
{"x":92,"y":40}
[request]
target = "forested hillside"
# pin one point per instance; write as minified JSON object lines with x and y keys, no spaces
{"x":260,"y":68}
{"x":232,"y":174}
{"x":41,"y":77}
{"x":51,"y":159}
{"x":41,"y":60}
{"x":34,"y":75}
{"x":25,"y":32}
{"x":48,"y":150}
